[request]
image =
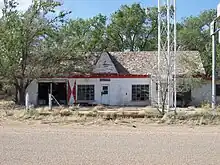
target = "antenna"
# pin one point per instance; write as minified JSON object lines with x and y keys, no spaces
{"x":167,"y":49}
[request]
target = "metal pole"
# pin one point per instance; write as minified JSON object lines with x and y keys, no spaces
{"x":158,"y":56}
{"x":213,"y":67}
{"x":168,"y":54}
{"x":50,"y":96}
{"x":175,"y":45}
{"x":50,"y":101}
{"x":27,"y":101}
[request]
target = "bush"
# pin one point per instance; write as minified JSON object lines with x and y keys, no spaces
{"x":66,"y":112}
{"x":32,"y":113}
{"x":206,"y":104}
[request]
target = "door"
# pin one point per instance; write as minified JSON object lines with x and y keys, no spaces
{"x":43,"y":91}
{"x":60,"y":93}
{"x":105,"y":94}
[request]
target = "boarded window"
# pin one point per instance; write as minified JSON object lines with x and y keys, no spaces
{"x":217,"y":89}
{"x":85,"y":92}
{"x":140,"y":92}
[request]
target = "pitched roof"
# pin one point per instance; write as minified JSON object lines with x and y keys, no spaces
{"x":145,"y":62}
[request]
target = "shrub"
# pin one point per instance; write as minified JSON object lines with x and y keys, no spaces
{"x":206,"y":104}
{"x":66,"y":112}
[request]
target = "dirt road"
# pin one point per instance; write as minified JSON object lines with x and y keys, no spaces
{"x":150,"y":145}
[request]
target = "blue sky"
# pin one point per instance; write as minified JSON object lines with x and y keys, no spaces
{"x":89,"y":8}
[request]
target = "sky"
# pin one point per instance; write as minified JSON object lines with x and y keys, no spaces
{"x":90,"y":8}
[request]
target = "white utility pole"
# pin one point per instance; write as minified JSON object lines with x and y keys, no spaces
{"x":213,"y":32}
{"x":159,"y":54}
{"x":168,"y":54}
{"x":175,"y":47}
{"x":213,"y":29}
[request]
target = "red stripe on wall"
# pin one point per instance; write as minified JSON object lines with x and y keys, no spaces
{"x":69,"y":92}
{"x":103,"y":76}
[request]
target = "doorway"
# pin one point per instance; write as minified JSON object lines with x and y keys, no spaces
{"x":58,"y":90}
{"x":43,"y":92}
{"x":184,"y":98}
{"x":105,"y":96}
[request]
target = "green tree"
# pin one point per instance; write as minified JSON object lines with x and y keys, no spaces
{"x":194,"y":34}
{"x":85,"y":35}
{"x":133,"y":28}
{"x":21,"y":35}
{"x":125,"y":27}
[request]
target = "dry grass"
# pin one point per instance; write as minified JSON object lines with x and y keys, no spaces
{"x":113,"y":115}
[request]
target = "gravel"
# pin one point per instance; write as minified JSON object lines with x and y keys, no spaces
{"x":70,"y":145}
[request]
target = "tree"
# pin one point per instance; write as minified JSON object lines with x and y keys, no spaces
{"x":74,"y":41}
{"x":21,"y":36}
{"x":85,"y":35}
{"x":134,"y":28}
{"x":195,"y":35}
{"x":129,"y":28}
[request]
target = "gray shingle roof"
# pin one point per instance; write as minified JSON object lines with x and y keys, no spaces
{"x":145,"y":62}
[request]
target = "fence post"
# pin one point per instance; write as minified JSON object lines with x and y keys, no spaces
{"x":27,"y":101}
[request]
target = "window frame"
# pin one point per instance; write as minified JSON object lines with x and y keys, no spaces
{"x":106,"y":90}
{"x":82,"y":92}
{"x":138,"y":88}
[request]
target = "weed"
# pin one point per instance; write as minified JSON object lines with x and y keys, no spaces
{"x":66,"y":112}
{"x":206,"y":104}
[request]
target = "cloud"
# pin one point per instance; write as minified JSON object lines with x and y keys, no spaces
{"x":23,"y":5}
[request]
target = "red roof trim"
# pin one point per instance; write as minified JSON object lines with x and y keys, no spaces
{"x":121,"y":76}
{"x":103,"y":76}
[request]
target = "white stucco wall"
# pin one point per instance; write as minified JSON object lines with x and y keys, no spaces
{"x":154,"y":94}
{"x":200,"y":93}
{"x":120,"y":89}
{"x":203,"y":93}
{"x":32,"y":90}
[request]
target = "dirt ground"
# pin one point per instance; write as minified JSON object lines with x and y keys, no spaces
{"x":100,"y":135}
{"x":25,"y":144}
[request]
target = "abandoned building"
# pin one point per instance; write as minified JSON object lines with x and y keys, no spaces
{"x":122,"y":79}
